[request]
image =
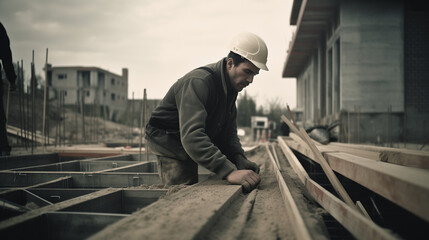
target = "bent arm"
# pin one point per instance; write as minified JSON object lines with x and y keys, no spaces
{"x":191,"y":99}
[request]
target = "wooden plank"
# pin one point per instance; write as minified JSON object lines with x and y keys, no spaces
{"x":325,"y":166}
{"x":357,"y":224}
{"x":11,"y":162}
{"x":193,"y":201}
{"x":61,"y":181}
{"x":300,"y":229}
{"x":56,"y":195}
{"x":55,"y":207}
{"x":405,"y":186}
{"x":405,"y":157}
{"x":109,"y":203}
{"x":148,"y":167}
{"x":294,"y":162}
{"x":79,"y":179}
{"x":353,"y":221}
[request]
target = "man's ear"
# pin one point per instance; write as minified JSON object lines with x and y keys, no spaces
{"x":229,"y":63}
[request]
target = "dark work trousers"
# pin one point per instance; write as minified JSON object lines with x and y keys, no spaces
{"x":4,"y":144}
{"x":174,"y":164}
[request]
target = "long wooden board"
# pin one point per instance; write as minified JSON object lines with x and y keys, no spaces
{"x":351,"y":219}
{"x":300,"y":229}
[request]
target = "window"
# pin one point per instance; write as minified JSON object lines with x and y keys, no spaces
{"x":112,"y":81}
{"x":62,"y":76}
{"x":65,"y":93}
{"x":112,"y":96}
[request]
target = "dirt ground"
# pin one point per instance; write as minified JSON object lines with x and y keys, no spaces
{"x":260,"y":214}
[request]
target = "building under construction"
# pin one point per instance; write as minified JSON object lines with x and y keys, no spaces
{"x":355,"y":65}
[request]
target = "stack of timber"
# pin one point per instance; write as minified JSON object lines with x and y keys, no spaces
{"x":392,"y":185}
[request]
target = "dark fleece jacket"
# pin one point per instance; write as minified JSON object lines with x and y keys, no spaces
{"x":200,"y":107}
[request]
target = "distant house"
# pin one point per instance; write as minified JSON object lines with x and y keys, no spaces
{"x":365,"y":63}
{"x":95,"y":87}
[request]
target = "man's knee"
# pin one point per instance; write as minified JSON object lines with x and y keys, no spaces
{"x":175,"y":172}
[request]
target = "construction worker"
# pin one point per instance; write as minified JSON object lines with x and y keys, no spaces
{"x":6,"y":58}
{"x":195,"y":123}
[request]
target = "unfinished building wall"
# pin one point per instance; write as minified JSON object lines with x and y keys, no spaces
{"x":416,"y":72}
{"x":372,"y":67}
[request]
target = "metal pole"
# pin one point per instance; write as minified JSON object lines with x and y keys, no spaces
{"x":7,"y":101}
{"x":19,"y":100}
{"x":83,"y":115}
{"x":64,"y":118}
{"x":132,"y":121}
{"x":44,"y":99}
{"x":348,"y":127}
{"x":141,"y":130}
{"x":33,"y":95}
{"x":358,"y":125}
{"x":145,"y":122}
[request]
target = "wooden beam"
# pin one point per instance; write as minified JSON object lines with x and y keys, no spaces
{"x":56,"y":207}
{"x":405,"y":186}
{"x":356,"y":223}
{"x":80,"y":180}
{"x":352,"y":220}
{"x":405,"y":157}
{"x":325,"y":166}
{"x":61,"y":181}
{"x":294,"y":162}
{"x":300,"y":229}
{"x":151,"y":223}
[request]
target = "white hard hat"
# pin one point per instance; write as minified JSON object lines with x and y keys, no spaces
{"x":251,"y":47}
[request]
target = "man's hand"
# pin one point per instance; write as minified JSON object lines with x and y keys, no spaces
{"x":243,"y":163}
{"x":248,"y":179}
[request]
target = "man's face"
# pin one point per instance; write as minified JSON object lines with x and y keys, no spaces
{"x":242,"y":75}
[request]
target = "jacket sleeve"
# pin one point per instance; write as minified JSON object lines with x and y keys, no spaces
{"x":6,"y":55}
{"x":191,"y":99}
{"x":233,"y":145}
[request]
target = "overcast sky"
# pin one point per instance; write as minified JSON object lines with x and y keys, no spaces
{"x":158,"y":41}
